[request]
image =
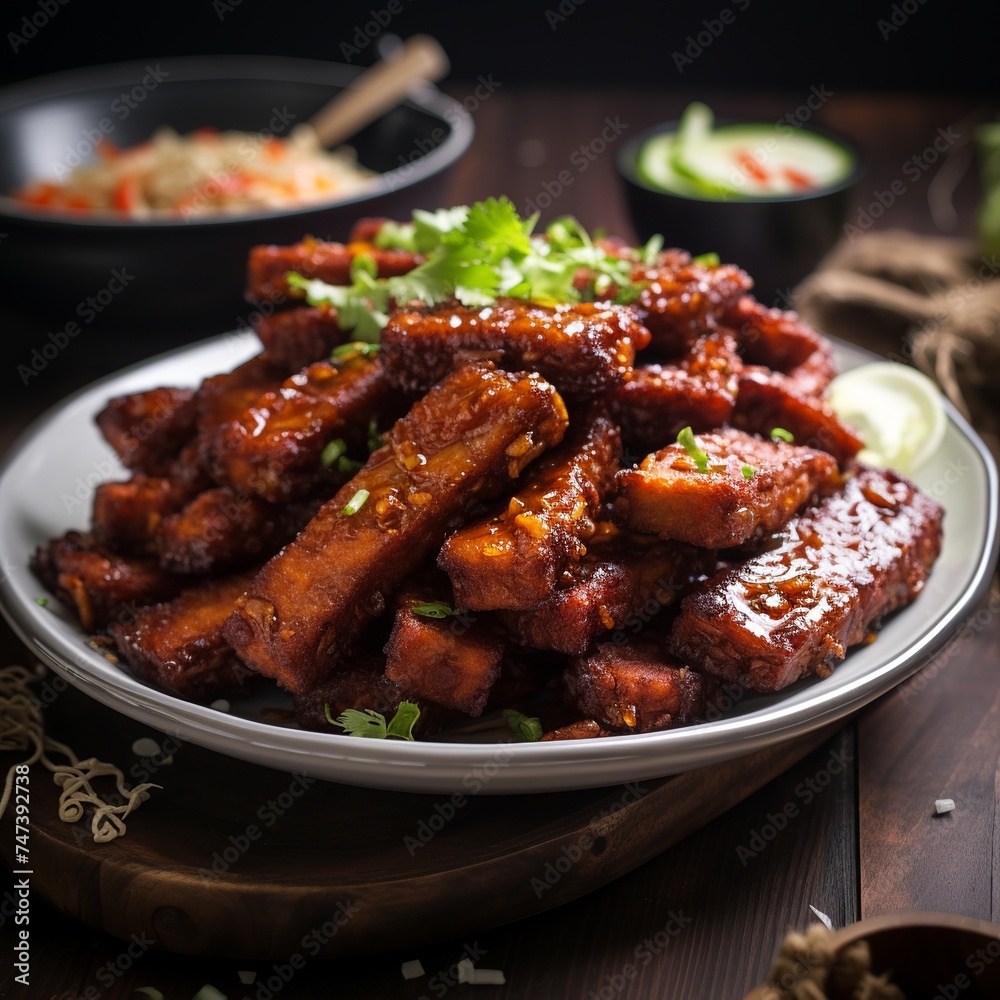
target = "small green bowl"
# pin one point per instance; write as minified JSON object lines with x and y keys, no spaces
{"x":778,"y":240}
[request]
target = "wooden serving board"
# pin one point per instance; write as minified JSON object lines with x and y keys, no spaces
{"x":235,"y":860}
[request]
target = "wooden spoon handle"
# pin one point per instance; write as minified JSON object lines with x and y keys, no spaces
{"x":378,"y":89}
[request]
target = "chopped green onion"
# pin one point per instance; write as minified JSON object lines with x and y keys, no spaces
{"x":528,"y":729}
{"x":780,"y":434}
{"x":208,"y":992}
{"x":352,"y":350}
{"x":685,"y":439}
{"x":332,"y":451}
{"x":348,"y":466}
{"x":747,"y":471}
{"x":42,"y":601}
{"x":707,"y":259}
{"x":355,"y":503}
{"x":434,"y":610}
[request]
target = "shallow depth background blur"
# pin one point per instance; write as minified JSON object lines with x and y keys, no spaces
{"x":924,"y":45}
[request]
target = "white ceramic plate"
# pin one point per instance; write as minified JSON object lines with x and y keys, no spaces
{"x":46,"y":488}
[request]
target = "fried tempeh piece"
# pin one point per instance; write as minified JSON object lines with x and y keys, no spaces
{"x":699,"y":392}
{"x":622,"y":583}
{"x":729,"y":503}
{"x":126,"y":514}
{"x":98,"y":585}
{"x":222,"y":530}
{"x":177,"y":645}
{"x":147,"y":429}
{"x":783,"y":342}
{"x":268,"y":266}
{"x":274,"y":448}
{"x":835,"y":571}
{"x":584,"y":349}
{"x":460,"y":444}
{"x":297,"y":337}
{"x":583,"y":729}
{"x":683,"y":299}
{"x":451,"y":661}
{"x":636,"y":689}
{"x":224,"y":397}
{"x":769,"y":399}
{"x":514,"y":559}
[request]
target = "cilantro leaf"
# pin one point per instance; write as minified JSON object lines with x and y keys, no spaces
{"x":370,"y":724}
{"x":495,"y":223}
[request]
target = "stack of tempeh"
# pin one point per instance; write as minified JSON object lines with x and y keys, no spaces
{"x":525,"y":482}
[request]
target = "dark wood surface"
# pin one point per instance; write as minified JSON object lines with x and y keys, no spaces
{"x":703,"y":918}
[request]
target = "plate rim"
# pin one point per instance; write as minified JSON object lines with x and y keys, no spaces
{"x":446,"y":766}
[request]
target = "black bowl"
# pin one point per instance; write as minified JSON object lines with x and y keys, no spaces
{"x":777,"y":240}
{"x":190,"y":274}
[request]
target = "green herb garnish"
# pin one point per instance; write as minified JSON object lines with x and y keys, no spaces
{"x":685,"y":439}
{"x":780,"y":434}
{"x":42,"y":601}
{"x":476,"y":254}
{"x":707,"y":259}
{"x":355,"y":503}
{"x":370,"y":724}
{"x":355,"y":349}
{"x":529,"y":730}
{"x":434,"y":609}
{"x":332,"y":451}
{"x":747,"y":471}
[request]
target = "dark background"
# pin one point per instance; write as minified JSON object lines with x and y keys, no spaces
{"x":936,"y":47}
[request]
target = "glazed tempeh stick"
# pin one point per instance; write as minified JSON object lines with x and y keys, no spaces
{"x":462,"y":443}
{"x":178,"y":646}
{"x":769,"y":399}
{"x":515,"y":559}
{"x":268,"y":266}
{"x":636,"y":689}
{"x":621,"y":584}
{"x":274,"y":448}
{"x":698,"y":392}
{"x":794,"y":609}
{"x":750,"y":486}
{"x":297,"y":337}
{"x":583,"y":349}
{"x":452,"y":661}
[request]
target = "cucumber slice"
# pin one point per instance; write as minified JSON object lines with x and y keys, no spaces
{"x":693,"y":152}
{"x":897,"y":411}
{"x":740,"y":161}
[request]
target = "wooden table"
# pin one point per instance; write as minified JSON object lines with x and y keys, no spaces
{"x":704,"y":918}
